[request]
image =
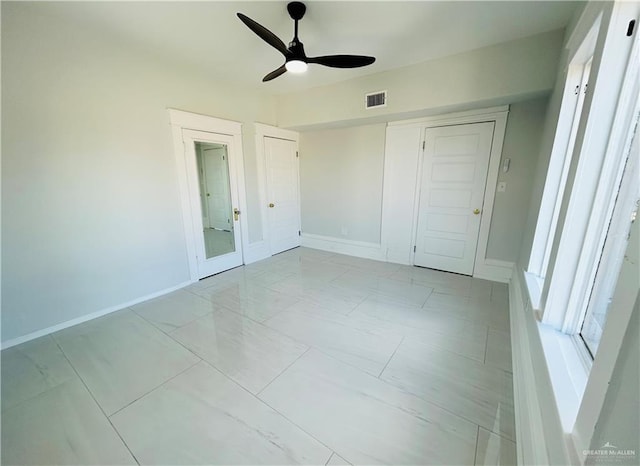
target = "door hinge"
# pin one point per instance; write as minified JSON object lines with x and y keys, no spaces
{"x":414,"y":249}
{"x":423,"y":144}
{"x":299,"y":233}
{"x":631,"y":27}
{"x":297,"y":155}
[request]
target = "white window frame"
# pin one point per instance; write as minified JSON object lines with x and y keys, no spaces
{"x":592,"y":178}
{"x":614,"y":239}
{"x":579,"y":73}
{"x":605,"y":199}
{"x":569,"y":119}
{"x":604,"y":133}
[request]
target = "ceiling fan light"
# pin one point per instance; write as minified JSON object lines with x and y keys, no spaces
{"x":296,"y":66}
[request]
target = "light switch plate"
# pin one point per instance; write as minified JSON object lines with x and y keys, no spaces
{"x":502,"y":186}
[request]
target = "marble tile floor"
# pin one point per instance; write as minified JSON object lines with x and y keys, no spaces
{"x":307,"y":357}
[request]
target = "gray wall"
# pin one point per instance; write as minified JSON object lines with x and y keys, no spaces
{"x":501,"y":74}
{"x":91,"y":212}
{"x":90,"y":207}
{"x":511,"y":208}
{"x":341,"y":173}
{"x":341,"y":182}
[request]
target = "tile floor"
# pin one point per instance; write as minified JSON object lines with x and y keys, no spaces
{"x":305,"y":358}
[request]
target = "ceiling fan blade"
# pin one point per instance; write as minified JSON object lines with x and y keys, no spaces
{"x":274,"y":74}
{"x":266,"y":35}
{"x":342,"y":61}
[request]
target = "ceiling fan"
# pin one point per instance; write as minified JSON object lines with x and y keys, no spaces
{"x":296,"y":60}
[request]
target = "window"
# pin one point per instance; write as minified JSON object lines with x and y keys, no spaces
{"x":575,"y":90}
{"x":590,"y":192}
{"x":615,"y":242}
{"x":579,"y":91}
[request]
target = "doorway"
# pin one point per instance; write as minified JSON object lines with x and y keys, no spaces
{"x":211,"y":177}
{"x":213,"y":189}
{"x":455,"y":163}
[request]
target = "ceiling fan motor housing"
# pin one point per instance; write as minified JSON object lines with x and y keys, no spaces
{"x":296,"y":10}
{"x":296,"y":59}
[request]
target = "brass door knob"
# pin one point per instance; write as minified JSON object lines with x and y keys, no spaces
{"x":476,"y":212}
{"x":272,"y":205}
{"x":236,"y":214}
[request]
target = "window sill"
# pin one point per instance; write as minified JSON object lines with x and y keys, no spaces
{"x":568,"y":370}
{"x":567,"y":360}
{"x":534,"y":287}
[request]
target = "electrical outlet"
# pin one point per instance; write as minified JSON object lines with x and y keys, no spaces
{"x":502,"y":186}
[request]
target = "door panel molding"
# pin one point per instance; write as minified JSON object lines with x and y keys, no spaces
{"x":455,"y":158}
{"x":180,"y":121}
{"x":263,"y":131}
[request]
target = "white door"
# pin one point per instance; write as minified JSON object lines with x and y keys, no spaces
{"x":217,"y":250}
{"x":454,"y":173}
{"x":282,"y":194}
{"x":216,"y":184}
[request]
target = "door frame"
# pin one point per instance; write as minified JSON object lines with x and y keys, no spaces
{"x":181,"y":120}
{"x":484,"y":267}
{"x":262,"y":131}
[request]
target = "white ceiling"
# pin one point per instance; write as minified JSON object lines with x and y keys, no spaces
{"x":208,"y":35}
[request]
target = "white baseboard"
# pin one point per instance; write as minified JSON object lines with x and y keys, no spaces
{"x":255,"y":252}
{"x":343,"y":246}
{"x":87,"y":317}
{"x":494,"y":270}
{"x":491,"y":269}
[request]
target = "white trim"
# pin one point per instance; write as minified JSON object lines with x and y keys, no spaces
{"x":498,"y":271}
{"x":181,"y":120}
{"x":567,"y":373}
{"x":596,"y":158}
{"x":256,"y":251}
{"x":584,"y":35}
{"x":199,"y":122}
{"x":484,"y":267}
{"x":87,"y":317}
{"x":530,"y":438}
{"x":618,"y":148}
{"x":457,"y":118}
{"x":185,"y":205}
{"x":402,"y":150}
{"x":343,"y":246}
{"x":534,"y":286}
{"x":570,"y":397}
{"x":564,"y":141}
{"x":261,"y":131}
{"x":539,"y":435}
{"x":618,"y":317}
{"x":275,"y":132}
{"x":495,"y":270}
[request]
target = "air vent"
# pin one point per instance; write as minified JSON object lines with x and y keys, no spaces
{"x":376,"y":99}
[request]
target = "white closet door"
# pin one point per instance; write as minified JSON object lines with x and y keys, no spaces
{"x":283,"y":194}
{"x":454,"y":174}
